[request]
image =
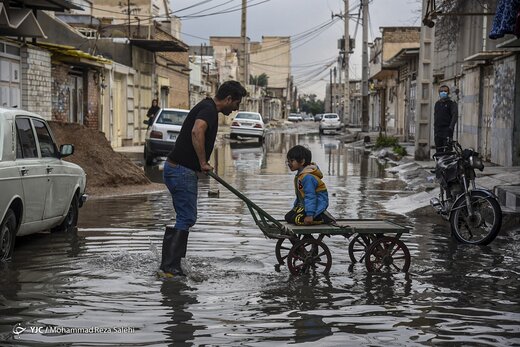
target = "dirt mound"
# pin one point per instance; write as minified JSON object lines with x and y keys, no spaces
{"x":92,"y":151}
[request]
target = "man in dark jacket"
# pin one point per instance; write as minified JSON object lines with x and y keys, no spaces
{"x":190,"y":156}
{"x":444,"y":118}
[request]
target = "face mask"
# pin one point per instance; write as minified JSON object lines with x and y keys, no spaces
{"x":443,"y":95}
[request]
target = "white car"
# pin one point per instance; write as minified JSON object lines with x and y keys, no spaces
{"x":162,"y":133}
{"x":248,"y":124}
{"x":330,"y":122}
{"x":294,"y":117}
{"x":39,"y":190}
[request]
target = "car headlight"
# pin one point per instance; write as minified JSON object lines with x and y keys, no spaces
{"x":476,"y":163}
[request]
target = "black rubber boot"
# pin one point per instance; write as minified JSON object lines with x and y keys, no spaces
{"x":173,"y":249}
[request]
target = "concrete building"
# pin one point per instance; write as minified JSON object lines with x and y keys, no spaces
{"x":148,"y":61}
{"x":483,"y":76}
{"x":406,"y":64}
{"x":272,"y":56}
{"x":25,"y":69}
{"x":387,"y":94}
{"x":203,"y":73}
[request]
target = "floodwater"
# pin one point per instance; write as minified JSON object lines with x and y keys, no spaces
{"x":98,"y":286}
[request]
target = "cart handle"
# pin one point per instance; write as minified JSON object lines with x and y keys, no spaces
{"x":250,"y":204}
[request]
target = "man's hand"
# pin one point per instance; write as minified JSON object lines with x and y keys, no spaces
{"x":205,"y":167}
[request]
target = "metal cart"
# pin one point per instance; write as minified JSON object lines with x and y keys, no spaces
{"x":375,"y":242}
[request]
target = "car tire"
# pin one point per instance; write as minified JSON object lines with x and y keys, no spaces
{"x":148,"y":156}
{"x":71,"y":220}
{"x":233,"y":136}
{"x":7,"y":235}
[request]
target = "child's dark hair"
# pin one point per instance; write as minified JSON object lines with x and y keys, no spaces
{"x":300,"y":153}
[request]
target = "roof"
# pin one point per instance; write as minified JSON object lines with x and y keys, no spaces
{"x":19,"y":22}
{"x":50,"y":5}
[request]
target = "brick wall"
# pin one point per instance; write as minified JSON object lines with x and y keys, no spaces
{"x":60,"y":92}
{"x":36,"y":81}
{"x":93,"y":99}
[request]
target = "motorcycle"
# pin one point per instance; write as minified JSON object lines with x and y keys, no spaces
{"x":474,"y":213}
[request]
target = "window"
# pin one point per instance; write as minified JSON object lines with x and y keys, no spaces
{"x":25,"y":139}
{"x":47,"y":146}
{"x":172,"y":117}
{"x":252,"y":116}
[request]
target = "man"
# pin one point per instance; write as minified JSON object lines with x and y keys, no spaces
{"x":444,"y":119}
{"x":189,"y":156}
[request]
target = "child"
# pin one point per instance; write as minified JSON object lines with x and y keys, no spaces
{"x":312,"y":198}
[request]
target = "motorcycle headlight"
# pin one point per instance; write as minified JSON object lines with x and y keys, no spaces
{"x":476,"y":163}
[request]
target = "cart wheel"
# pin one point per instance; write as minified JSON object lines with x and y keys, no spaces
{"x":283,"y":246}
{"x":358,"y":246}
{"x":387,"y":254}
{"x":309,"y":255}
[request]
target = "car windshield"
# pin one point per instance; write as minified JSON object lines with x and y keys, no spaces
{"x":172,"y":117}
{"x":251,"y":116}
{"x":329,"y":116}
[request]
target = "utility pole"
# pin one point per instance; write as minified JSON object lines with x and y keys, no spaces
{"x":330,"y":90}
{"x":424,"y":90}
{"x":346,"y":66}
{"x":128,"y":15}
{"x":243,"y":35}
{"x":364,"y":71}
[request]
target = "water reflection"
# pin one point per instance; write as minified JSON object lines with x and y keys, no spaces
{"x":177,"y":297}
{"x":103,"y":275}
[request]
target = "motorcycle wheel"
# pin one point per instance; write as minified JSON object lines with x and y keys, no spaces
{"x":483,"y":226}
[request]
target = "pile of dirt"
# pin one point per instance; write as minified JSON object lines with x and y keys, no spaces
{"x":92,"y":151}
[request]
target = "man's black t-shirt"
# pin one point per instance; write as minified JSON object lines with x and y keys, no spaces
{"x":183,"y":153}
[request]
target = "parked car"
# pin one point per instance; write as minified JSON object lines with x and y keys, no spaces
{"x":39,"y":190}
{"x":162,"y":133}
{"x":318,"y":117}
{"x":330,"y":121}
{"x":248,"y":124}
{"x":294,"y":117}
{"x":307,"y":117}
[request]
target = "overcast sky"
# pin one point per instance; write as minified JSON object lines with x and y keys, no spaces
{"x":313,"y":48}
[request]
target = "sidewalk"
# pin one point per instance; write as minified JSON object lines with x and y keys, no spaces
{"x":503,"y":181}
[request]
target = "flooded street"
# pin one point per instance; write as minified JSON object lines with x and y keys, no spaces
{"x":98,"y":287}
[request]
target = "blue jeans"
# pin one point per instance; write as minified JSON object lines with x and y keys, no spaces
{"x":183,"y":186}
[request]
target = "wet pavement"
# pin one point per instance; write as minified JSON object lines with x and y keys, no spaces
{"x":98,"y":286}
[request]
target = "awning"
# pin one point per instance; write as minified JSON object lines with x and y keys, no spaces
{"x":50,"y":5}
{"x":160,"y":45}
{"x":69,"y":54}
{"x":512,"y":44}
{"x":19,"y":22}
{"x":383,"y":75}
{"x":486,"y":55}
{"x":401,"y":58}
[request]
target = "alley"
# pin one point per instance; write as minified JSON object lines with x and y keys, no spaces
{"x":103,"y":276}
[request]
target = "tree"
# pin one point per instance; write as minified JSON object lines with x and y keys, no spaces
{"x":260,"y":80}
{"x":309,"y":103}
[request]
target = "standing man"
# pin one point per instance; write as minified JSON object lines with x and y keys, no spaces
{"x":189,"y":156}
{"x":444,"y":119}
